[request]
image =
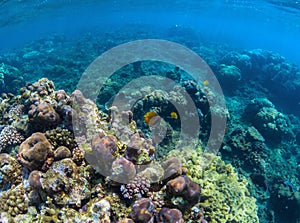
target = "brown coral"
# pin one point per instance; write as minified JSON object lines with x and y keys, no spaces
{"x":140,"y":150}
{"x":34,"y":151}
{"x":103,"y":154}
{"x":167,"y":215}
{"x":61,"y":137}
{"x":43,"y":115}
{"x":10,"y":170}
{"x":14,"y":201}
{"x":183,"y":186}
{"x":142,"y":211}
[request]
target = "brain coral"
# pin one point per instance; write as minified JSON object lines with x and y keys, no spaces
{"x":225,"y":197}
{"x":34,"y":151}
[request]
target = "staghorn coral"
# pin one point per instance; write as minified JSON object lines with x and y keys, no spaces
{"x":35,"y":151}
{"x":10,"y":137}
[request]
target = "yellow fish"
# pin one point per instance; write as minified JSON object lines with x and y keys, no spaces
{"x":148,"y":116}
{"x":174,"y":115}
{"x":205,"y":83}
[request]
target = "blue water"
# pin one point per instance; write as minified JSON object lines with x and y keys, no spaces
{"x":269,"y":25}
{"x":65,"y":34}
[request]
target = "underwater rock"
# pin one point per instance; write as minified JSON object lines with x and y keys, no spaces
{"x":285,"y":203}
{"x":259,"y":180}
{"x":271,"y":123}
{"x":154,"y":172}
{"x":122,"y":124}
{"x":240,"y":60}
{"x":126,"y":220}
{"x":247,"y":144}
{"x":102,"y":209}
{"x":172,"y":168}
{"x":85,"y":118}
{"x":229,"y":75}
{"x":11,"y":79}
{"x":166,"y":215}
{"x":142,"y":211}
{"x":35,"y":151}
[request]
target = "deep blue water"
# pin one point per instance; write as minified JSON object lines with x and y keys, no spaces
{"x":271,"y":25}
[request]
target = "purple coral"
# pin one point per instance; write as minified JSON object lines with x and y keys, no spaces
{"x":183,"y":186}
{"x":136,"y":187}
{"x":142,"y":211}
{"x":167,"y":215}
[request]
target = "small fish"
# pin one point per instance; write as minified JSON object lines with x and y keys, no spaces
{"x":174,"y":115}
{"x":205,"y":83}
{"x":148,"y":116}
{"x":259,"y":180}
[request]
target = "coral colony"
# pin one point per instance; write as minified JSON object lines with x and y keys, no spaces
{"x":53,"y":168}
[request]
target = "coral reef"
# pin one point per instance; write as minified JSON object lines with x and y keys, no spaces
{"x":271,"y":123}
{"x":10,"y":171}
{"x":224,"y":195}
{"x":167,"y":215}
{"x":35,"y":151}
{"x":142,"y":211}
{"x":137,"y":187}
{"x":14,"y":201}
{"x":229,"y":75}
{"x":10,"y":137}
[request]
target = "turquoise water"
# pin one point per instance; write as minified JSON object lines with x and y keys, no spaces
{"x":201,"y":79}
{"x":272,"y":25}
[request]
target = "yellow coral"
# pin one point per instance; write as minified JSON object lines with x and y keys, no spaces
{"x":227,"y":198}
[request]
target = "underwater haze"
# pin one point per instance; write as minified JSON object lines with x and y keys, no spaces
{"x":150,"y":111}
